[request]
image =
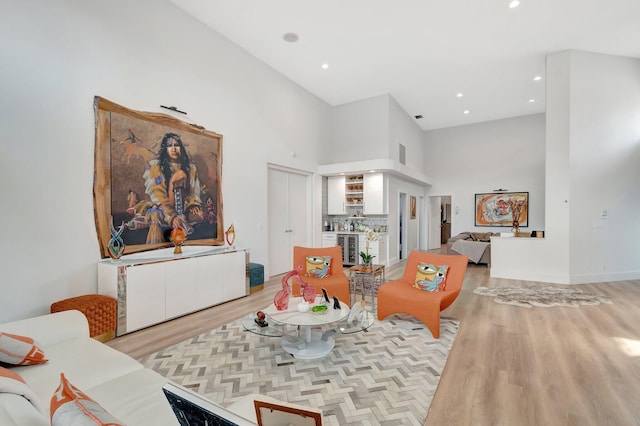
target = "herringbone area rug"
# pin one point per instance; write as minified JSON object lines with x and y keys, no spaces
{"x":384,"y":376}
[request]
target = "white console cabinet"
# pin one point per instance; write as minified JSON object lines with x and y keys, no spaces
{"x":156,"y":286}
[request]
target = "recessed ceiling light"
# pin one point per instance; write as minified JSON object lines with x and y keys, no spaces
{"x":514,"y":3}
{"x":537,"y":78}
{"x":291,"y":37}
{"x":459,"y":95}
{"x":532,"y":101}
{"x":325,"y":66}
{"x":466,"y":111}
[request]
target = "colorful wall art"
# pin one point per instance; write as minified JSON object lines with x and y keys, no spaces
{"x":502,"y":209}
{"x":154,"y":173}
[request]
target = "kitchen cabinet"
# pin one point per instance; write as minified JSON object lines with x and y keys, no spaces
{"x":356,"y":195}
{"x":336,"y":195}
{"x":374,"y":195}
{"x":151,"y":288}
{"x":329,"y":239}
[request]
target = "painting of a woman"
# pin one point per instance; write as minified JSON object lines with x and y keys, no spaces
{"x":172,"y":182}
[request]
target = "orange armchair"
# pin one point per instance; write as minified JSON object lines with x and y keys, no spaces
{"x":336,"y":284}
{"x":400,"y":297}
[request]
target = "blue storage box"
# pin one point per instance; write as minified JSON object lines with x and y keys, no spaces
{"x":256,"y":277}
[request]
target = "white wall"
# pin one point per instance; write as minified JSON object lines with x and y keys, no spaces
{"x":605,"y":166}
{"x":404,"y":130}
{"x":507,"y":154}
{"x":372,"y":129}
{"x":361,"y":130}
{"x":593,"y":152}
{"x":55,"y":56}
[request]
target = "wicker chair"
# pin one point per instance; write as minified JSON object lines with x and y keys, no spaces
{"x":401,"y":297}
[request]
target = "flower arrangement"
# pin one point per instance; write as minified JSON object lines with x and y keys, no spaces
{"x":371,"y":235}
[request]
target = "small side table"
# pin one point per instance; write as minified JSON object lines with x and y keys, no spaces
{"x":367,"y":277}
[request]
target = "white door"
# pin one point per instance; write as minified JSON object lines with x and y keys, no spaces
{"x":288,"y":202}
{"x":435,"y":221}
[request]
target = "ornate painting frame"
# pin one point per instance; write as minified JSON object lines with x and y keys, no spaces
{"x":134,"y":169}
{"x":269,"y":413}
{"x":497,"y":209}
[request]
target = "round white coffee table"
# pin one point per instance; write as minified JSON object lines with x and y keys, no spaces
{"x":307,"y":344}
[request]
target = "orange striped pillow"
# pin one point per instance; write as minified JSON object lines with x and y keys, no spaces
{"x":70,"y":406}
{"x":12,"y":382}
{"x":20,"y":350}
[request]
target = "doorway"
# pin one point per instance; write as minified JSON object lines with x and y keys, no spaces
{"x":434,"y":222}
{"x":288,"y":216}
{"x":439,"y":220}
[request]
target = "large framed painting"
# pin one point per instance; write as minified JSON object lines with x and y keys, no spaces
{"x":153,"y":173}
{"x":502,"y":209}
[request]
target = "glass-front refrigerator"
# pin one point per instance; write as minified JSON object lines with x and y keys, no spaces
{"x":349,"y":244}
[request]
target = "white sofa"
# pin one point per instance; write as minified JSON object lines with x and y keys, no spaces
{"x":120,"y":384}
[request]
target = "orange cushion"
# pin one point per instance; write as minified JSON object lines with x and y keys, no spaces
{"x":71,"y":406}
{"x":20,"y":350}
{"x":431,"y":277}
{"x":318,"y":266}
{"x":12,"y":382}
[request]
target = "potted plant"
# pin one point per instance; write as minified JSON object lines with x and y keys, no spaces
{"x":367,"y":258}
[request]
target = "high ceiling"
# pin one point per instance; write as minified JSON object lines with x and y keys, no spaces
{"x":424,"y":52}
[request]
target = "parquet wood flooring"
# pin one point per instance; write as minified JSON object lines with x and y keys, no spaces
{"x":508,"y":365}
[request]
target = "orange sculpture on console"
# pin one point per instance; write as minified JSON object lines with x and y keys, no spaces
{"x":178,"y":236}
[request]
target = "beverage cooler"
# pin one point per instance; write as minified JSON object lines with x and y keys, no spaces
{"x":350,"y":252}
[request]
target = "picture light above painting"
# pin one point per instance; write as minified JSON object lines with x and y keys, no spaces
{"x":502,"y":209}
{"x":153,"y":173}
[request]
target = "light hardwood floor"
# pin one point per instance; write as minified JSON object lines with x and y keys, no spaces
{"x":508,"y":365}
